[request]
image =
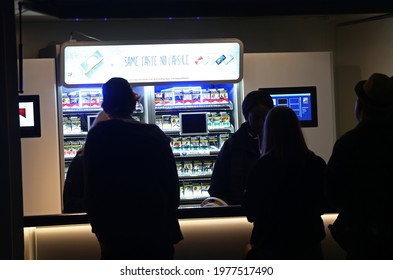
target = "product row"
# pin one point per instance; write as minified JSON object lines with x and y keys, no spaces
{"x":194,"y":190}
{"x":86,"y":99}
{"x":198,"y":143}
{"x":82,"y":98}
{"x":71,"y":147}
{"x":80,"y":124}
{"x":188,"y":189}
{"x":186,"y":168}
{"x":190,"y":95}
{"x":215,"y":120}
{"x":181,"y":146}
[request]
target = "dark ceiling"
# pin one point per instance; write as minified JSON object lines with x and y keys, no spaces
{"x":95,"y":9}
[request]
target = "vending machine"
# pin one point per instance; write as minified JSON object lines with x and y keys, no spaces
{"x":191,"y":89}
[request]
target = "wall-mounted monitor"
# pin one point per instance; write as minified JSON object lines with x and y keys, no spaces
{"x":29,"y":116}
{"x":193,"y":123}
{"x":302,"y":100}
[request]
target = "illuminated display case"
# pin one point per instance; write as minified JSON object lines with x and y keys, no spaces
{"x":190,"y":89}
{"x":198,"y":118}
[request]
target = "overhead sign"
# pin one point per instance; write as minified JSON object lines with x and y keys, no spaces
{"x":94,"y":63}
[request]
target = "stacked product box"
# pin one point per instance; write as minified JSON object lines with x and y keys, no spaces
{"x":190,"y":96}
{"x":71,"y":147}
{"x":84,"y":98}
{"x":194,"y":190}
{"x":194,"y":167}
{"x":195,"y":143}
{"x":218,"y":120}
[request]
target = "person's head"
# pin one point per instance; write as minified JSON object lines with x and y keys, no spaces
{"x":255,"y":106}
{"x":374,"y":97}
{"x":119,"y":98}
{"x":282,"y":134}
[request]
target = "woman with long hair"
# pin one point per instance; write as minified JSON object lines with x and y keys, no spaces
{"x":284,"y":196}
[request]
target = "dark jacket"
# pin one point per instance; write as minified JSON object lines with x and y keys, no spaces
{"x":285,"y":201}
{"x":360,"y":183}
{"x":74,"y":190}
{"x":132,"y":183}
{"x":234,"y":162}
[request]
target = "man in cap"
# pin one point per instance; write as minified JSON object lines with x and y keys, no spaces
{"x":132,"y":186}
{"x":241,"y":151}
{"x":360,"y":174}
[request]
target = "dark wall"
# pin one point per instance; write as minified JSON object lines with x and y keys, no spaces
{"x":11,"y":207}
{"x":264,"y":34}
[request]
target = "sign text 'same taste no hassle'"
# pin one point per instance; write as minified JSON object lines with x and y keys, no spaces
{"x":96,"y":63}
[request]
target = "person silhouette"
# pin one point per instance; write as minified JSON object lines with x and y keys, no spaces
{"x":132,"y":186}
{"x":360,"y":174}
{"x":74,"y":188}
{"x":284,"y":196}
{"x":240,"y":152}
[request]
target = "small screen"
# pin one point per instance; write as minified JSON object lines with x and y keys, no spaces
{"x":90,"y":120}
{"x":302,"y":100}
{"x":29,"y":116}
{"x":193,"y":123}
{"x":26,"y":114}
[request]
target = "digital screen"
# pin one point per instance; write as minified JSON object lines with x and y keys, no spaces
{"x":26,"y":114}
{"x":194,"y":123}
{"x":29,"y":116}
{"x":302,"y":100}
{"x":90,"y":120}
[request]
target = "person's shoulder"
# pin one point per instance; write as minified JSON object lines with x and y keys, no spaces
{"x":241,"y":134}
{"x":152,"y":128}
{"x":154,"y":131}
{"x":95,"y":132}
{"x":353,"y":133}
{"x":318,"y":160}
{"x":141,"y":126}
{"x":243,"y":129}
{"x":348,"y":139}
{"x":103,"y":126}
{"x":235,"y":139}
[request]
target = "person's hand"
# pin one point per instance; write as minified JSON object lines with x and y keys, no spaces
{"x":137,"y":96}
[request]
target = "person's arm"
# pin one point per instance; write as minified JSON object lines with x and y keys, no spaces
{"x":73,"y":196}
{"x":315,"y":194}
{"x":338,"y":176}
{"x":219,"y":186}
{"x":252,"y":195}
{"x":169,"y":178}
{"x":91,"y":158}
{"x":169,"y":182}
